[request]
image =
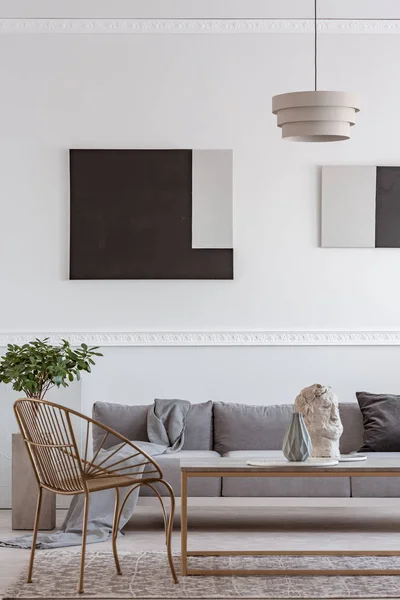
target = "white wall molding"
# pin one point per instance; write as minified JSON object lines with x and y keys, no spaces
{"x":214,"y":338}
{"x":198,"y":26}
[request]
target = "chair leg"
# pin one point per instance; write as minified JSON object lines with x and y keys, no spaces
{"x":157,"y":493}
{"x":84,"y":533}
{"x":169,"y":529}
{"x":115,"y":532}
{"x":35,"y":532}
{"x":118,"y":510}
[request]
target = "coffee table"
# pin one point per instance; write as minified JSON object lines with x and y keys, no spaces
{"x":227,"y":467}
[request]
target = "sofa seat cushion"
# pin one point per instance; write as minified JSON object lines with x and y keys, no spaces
{"x":131,"y":421}
{"x":197,"y":486}
{"x":247,"y":454}
{"x":280,"y":487}
{"x":377,"y":487}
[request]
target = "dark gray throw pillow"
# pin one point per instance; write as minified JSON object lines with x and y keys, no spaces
{"x":381,"y":417}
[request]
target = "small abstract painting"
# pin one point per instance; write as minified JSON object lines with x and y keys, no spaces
{"x":360,"y":207}
{"x":151,"y":214}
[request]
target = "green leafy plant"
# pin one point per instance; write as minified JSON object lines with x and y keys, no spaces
{"x":36,"y":367}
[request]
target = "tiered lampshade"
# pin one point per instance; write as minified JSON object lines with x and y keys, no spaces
{"x":318,"y":116}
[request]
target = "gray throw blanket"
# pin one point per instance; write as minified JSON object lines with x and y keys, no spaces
{"x":166,"y":421}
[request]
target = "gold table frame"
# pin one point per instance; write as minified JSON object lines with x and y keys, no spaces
{"x":217,"y":468}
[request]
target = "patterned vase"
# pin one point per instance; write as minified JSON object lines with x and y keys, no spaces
{"x":297,"y":445}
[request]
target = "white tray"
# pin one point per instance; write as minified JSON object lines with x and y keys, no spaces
{"x":352,"y":457}
{"x":311,"y":462}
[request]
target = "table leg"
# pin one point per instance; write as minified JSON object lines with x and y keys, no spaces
{"x":186,"y":554}
{"x":184,"y":523}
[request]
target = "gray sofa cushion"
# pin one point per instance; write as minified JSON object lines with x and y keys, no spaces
{"x":353,"y":429}
{"x":381,"y":415}
{"x":199,"y":427}
{"x":247,"y":427}
{"x":131,"y":421}
{"x":197,"y":486}
{"x":247,"y":454}
{"x":377,"y":487}
{"x":281,"y":487}
{"x":286,"y":487}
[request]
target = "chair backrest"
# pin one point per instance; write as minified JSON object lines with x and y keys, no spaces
{"x":49,"y":436}
{"x":52,"y":445}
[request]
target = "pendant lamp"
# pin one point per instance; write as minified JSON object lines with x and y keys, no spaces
{"x":318,"y":115}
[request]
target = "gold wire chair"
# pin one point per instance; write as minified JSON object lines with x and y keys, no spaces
{"x":49,"y":436}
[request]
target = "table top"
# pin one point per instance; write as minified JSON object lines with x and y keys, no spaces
{"x":232,"y":465}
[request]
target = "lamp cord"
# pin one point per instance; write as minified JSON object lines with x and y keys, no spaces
{"x":315,"y":45}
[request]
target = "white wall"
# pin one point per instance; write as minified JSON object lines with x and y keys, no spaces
{"x":247,"y":375}
{"x":197,"y":91}
{"x":200,"y":91}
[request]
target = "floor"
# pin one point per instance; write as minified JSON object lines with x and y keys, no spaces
{"x":244,"y":528}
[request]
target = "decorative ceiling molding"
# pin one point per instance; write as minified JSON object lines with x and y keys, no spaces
{"x":197,"y":26}
{"x":214,"y":338}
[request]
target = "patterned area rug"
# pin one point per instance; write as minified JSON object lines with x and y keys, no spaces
{"x":147,"y":575}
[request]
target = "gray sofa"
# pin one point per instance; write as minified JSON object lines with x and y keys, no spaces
{"x":243,"y":431}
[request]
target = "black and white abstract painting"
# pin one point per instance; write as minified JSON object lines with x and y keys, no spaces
{"x":151,"y":214}
{"x":360,"y":207}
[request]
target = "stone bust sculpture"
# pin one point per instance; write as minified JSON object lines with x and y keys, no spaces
{"x":320,"y":408}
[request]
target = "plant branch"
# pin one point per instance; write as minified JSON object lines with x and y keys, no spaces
{"x":36,"y":367}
